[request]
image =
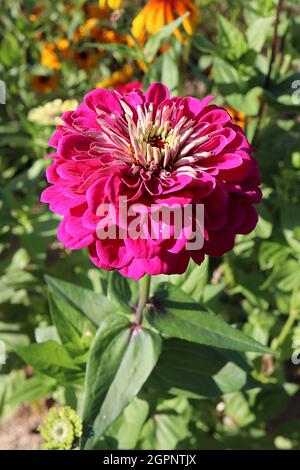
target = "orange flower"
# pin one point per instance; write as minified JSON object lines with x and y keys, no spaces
{"x":238,"y":117}
{"x":143,"y":66}
{"x":112,"y":4}
{"x":49,"y":58}
{"x":63,"y":45}
{"x":85,"y":59}
{"x":90,"y":29}
{"x":36,"y":12}
{"x":157,"y":13}
{"x":51,"y":52}
{"x":44,"y":83}
{"x":93,"y":11}
{"x":109,"y":35}
{"x":119,"y":77}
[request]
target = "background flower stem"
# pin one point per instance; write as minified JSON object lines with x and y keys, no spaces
{"x":272,"y":59}
{"x":285,"y":330}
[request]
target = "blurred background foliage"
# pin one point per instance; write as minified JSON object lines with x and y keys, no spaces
{"x":59,"y":51}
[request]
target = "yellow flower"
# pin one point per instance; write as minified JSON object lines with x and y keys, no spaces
{"x":50,"y":113}
{"x":157,"y":13}
{"x":44,"y":83}
{"x":112,"y":4}
{"x":119,"y":77}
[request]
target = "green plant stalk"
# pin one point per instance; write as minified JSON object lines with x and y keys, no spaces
{"x":144,"y":296}
{"x":271,"y":63}
{"x":285,"y":329}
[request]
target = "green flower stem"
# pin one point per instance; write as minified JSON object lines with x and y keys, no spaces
{"x":144,"y":296}
{"x":286,"y":329}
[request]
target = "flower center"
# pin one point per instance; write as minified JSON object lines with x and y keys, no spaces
{"x":60,"y":431}
{"x":161,"y":140}
{"x":154,"y":142}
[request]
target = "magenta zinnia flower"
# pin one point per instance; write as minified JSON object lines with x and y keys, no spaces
{"x":131,"y":86}
{"x":151,"y":150}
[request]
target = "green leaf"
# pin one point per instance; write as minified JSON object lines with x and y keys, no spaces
{"x":194,"y":284}
{"x":226,"y":77}
{"x":156,"y":40}
{"x":76,"y":20}
{"x":170,"y":72}
{"x":163,"y":432}
{"x":125,"y":431}
{"x":212,"y":291}
{"x":9,"y":50}
{"x":44,"y":333}
{"x":121,"y":49}
{"x":119,"y":291}
{"x":204,"y":45}
{"x":195,"y":370}
{"x":105,"y":357}
{"x":137,"y":363}
{"x":32,"y":389}
{"x":12,"y":335}
{"x":230,"y":40}
{"x":247,"y":103}
{"x":265,"y":223}
{"x":93,"y":306}
{"x":75,"y":330}
{"x":238,"y":409}
{"x":290,"y":221}
{"x":285,"y":277}
{"x":258,"y":32}
{"x":121,"y":359}
{"x":51,"y":359}
{"x":175,"y":314}
{"x":272,"y":254}
{"x":9,"y":383}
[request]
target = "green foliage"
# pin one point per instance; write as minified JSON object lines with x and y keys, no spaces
{"x":128,"y":355}
{"x":52,"y":360}
{"x":155,"y":42}
{"x":196,"y":371}
{"x":175,"y":315}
